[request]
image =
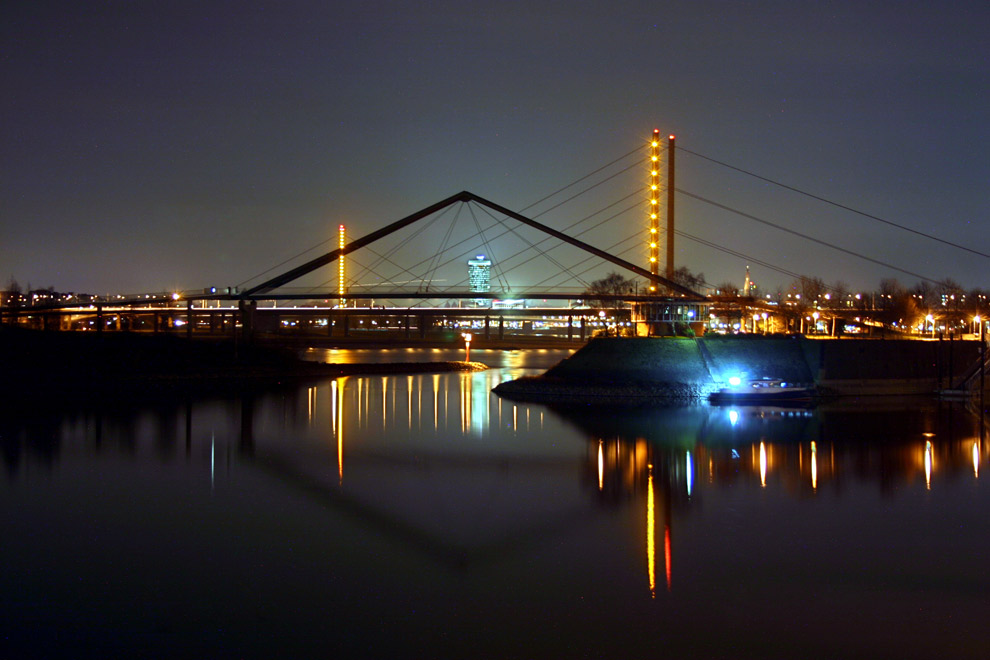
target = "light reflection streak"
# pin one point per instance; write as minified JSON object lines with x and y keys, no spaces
{"x":310,"y":403}
{"x":976,"y":459}
{"x":650,"y":530}
{"x":482,"y":409}
{"x":337,"y":413}
{"x":465,"y":404}
{"x":689,"y":477}
{"x":667,"y":554}
{"x":362,"y":404}
{"x":213,"y":459}
{"x":601,"y":467}
{"x":409,"y":389}
{"x":928,"y":464}
{"x":333,"y":406}
{"x":763,"y":464}
{"x":436,"y":399}
{"x":814,"y":465}
{"x":446,"y":407}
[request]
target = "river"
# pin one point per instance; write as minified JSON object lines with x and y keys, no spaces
{"x":423,"y":516}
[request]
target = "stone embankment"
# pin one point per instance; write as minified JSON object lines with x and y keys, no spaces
{"x":675,"y":369}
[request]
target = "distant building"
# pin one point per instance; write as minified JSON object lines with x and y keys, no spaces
{"x":480,"y":276}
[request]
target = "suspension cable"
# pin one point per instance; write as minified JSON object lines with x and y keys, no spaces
{"x":804,"y":236}
{"x":835,"y":204}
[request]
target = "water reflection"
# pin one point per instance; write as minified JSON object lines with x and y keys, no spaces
{"x":430,"y":485}
{"x":654,"y":453}
{"x":780,"y":447}
{"x":497,"y":358}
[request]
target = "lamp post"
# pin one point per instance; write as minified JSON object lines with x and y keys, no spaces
{"x":978,"y":322}
{"x":931,"y":319}
{"x":467,"y":346}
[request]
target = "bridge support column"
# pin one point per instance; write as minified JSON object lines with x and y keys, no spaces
{"x":501,"y":327}
{"x":329,"y":326}
{"x":582,"y":328}
{"x":570,"y":327}
{"x":422,"y":326}
{"x":407,"y":327}
{"x":487,"y":327}
{"x":99,"y":318}
{"x":247,"y":311}
{"x":347,"y":326}
{"x":189,"y":319}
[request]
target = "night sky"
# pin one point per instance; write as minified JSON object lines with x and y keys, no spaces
{"x":150,"y":146}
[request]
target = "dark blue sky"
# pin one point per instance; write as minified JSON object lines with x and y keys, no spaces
{"x":157,"y":145}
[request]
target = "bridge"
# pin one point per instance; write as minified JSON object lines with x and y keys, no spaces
{"x":407,"y":280}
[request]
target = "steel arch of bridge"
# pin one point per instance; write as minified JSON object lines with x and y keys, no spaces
{"x":259,"y":291}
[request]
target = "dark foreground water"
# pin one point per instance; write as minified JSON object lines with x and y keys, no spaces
{"x":421,"y":516}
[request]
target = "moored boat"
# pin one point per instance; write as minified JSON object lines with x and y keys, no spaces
{"x":762,"y":391}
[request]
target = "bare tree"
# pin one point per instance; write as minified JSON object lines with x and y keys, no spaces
{"x":951,"y":294}
{"x":685,"y":277}
{"x":613,"y":284}
{"x":12,"y":296}
{"x":812,"y":288}
{"x":838,"y":292}
{"x":925,"y":294}
{"x":727,"y":288}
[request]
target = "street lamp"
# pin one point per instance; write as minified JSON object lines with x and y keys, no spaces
{"x":979,"y":322}
{"x":467,"y":346}
{"x":931,"y":319}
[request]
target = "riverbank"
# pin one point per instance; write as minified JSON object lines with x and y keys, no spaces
{"x":682,"y":369}
{"x":91,"y":365}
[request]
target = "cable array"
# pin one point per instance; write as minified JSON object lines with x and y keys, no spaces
{"x":449,"y":252}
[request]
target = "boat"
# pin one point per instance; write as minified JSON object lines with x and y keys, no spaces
{"x":762,"y":391}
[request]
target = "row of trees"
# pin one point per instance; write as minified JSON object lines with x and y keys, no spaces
{"x":892,"y":303}
{"x":616,"y":284}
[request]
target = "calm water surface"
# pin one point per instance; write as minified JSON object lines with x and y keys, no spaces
{"x":422,"y":516}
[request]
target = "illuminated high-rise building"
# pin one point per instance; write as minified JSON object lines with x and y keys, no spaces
{"x":480,"y":275}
